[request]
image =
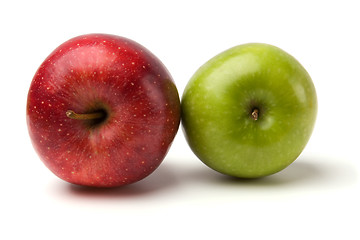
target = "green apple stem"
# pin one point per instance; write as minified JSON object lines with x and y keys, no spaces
{"x":255,"y":114}
{"x":84,"y":116}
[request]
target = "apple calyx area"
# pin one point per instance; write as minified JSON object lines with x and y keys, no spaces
{"x":255,"y":114}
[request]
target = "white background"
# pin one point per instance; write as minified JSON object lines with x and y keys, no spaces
{"x":317,"y":197}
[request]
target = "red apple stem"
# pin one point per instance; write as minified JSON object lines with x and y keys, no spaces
{"x":84,"y":116}
{"x":255,"y":114}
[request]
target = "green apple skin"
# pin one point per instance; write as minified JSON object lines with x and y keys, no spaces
{"x":218,"y":107}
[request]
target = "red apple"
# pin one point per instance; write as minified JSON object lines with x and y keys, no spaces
{"x":102,"y":111}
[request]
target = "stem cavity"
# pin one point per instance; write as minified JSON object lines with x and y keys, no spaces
{"x":255,"y":114}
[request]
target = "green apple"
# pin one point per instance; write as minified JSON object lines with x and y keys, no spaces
{"x":249,"y":111}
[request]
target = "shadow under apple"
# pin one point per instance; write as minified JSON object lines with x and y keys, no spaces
{"x":161,"y":179}
{"x":304,"y":171}
{"x":310,"y":172}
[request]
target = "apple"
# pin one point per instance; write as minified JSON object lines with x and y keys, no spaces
{"x":102,"y":111}
{"x":249,"y":111}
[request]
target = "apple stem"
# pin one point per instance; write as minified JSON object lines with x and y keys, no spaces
{"x":255,"y":114}
{"x":84,"y":116}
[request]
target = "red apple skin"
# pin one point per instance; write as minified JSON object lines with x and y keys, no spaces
{"x":113,"y":74}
